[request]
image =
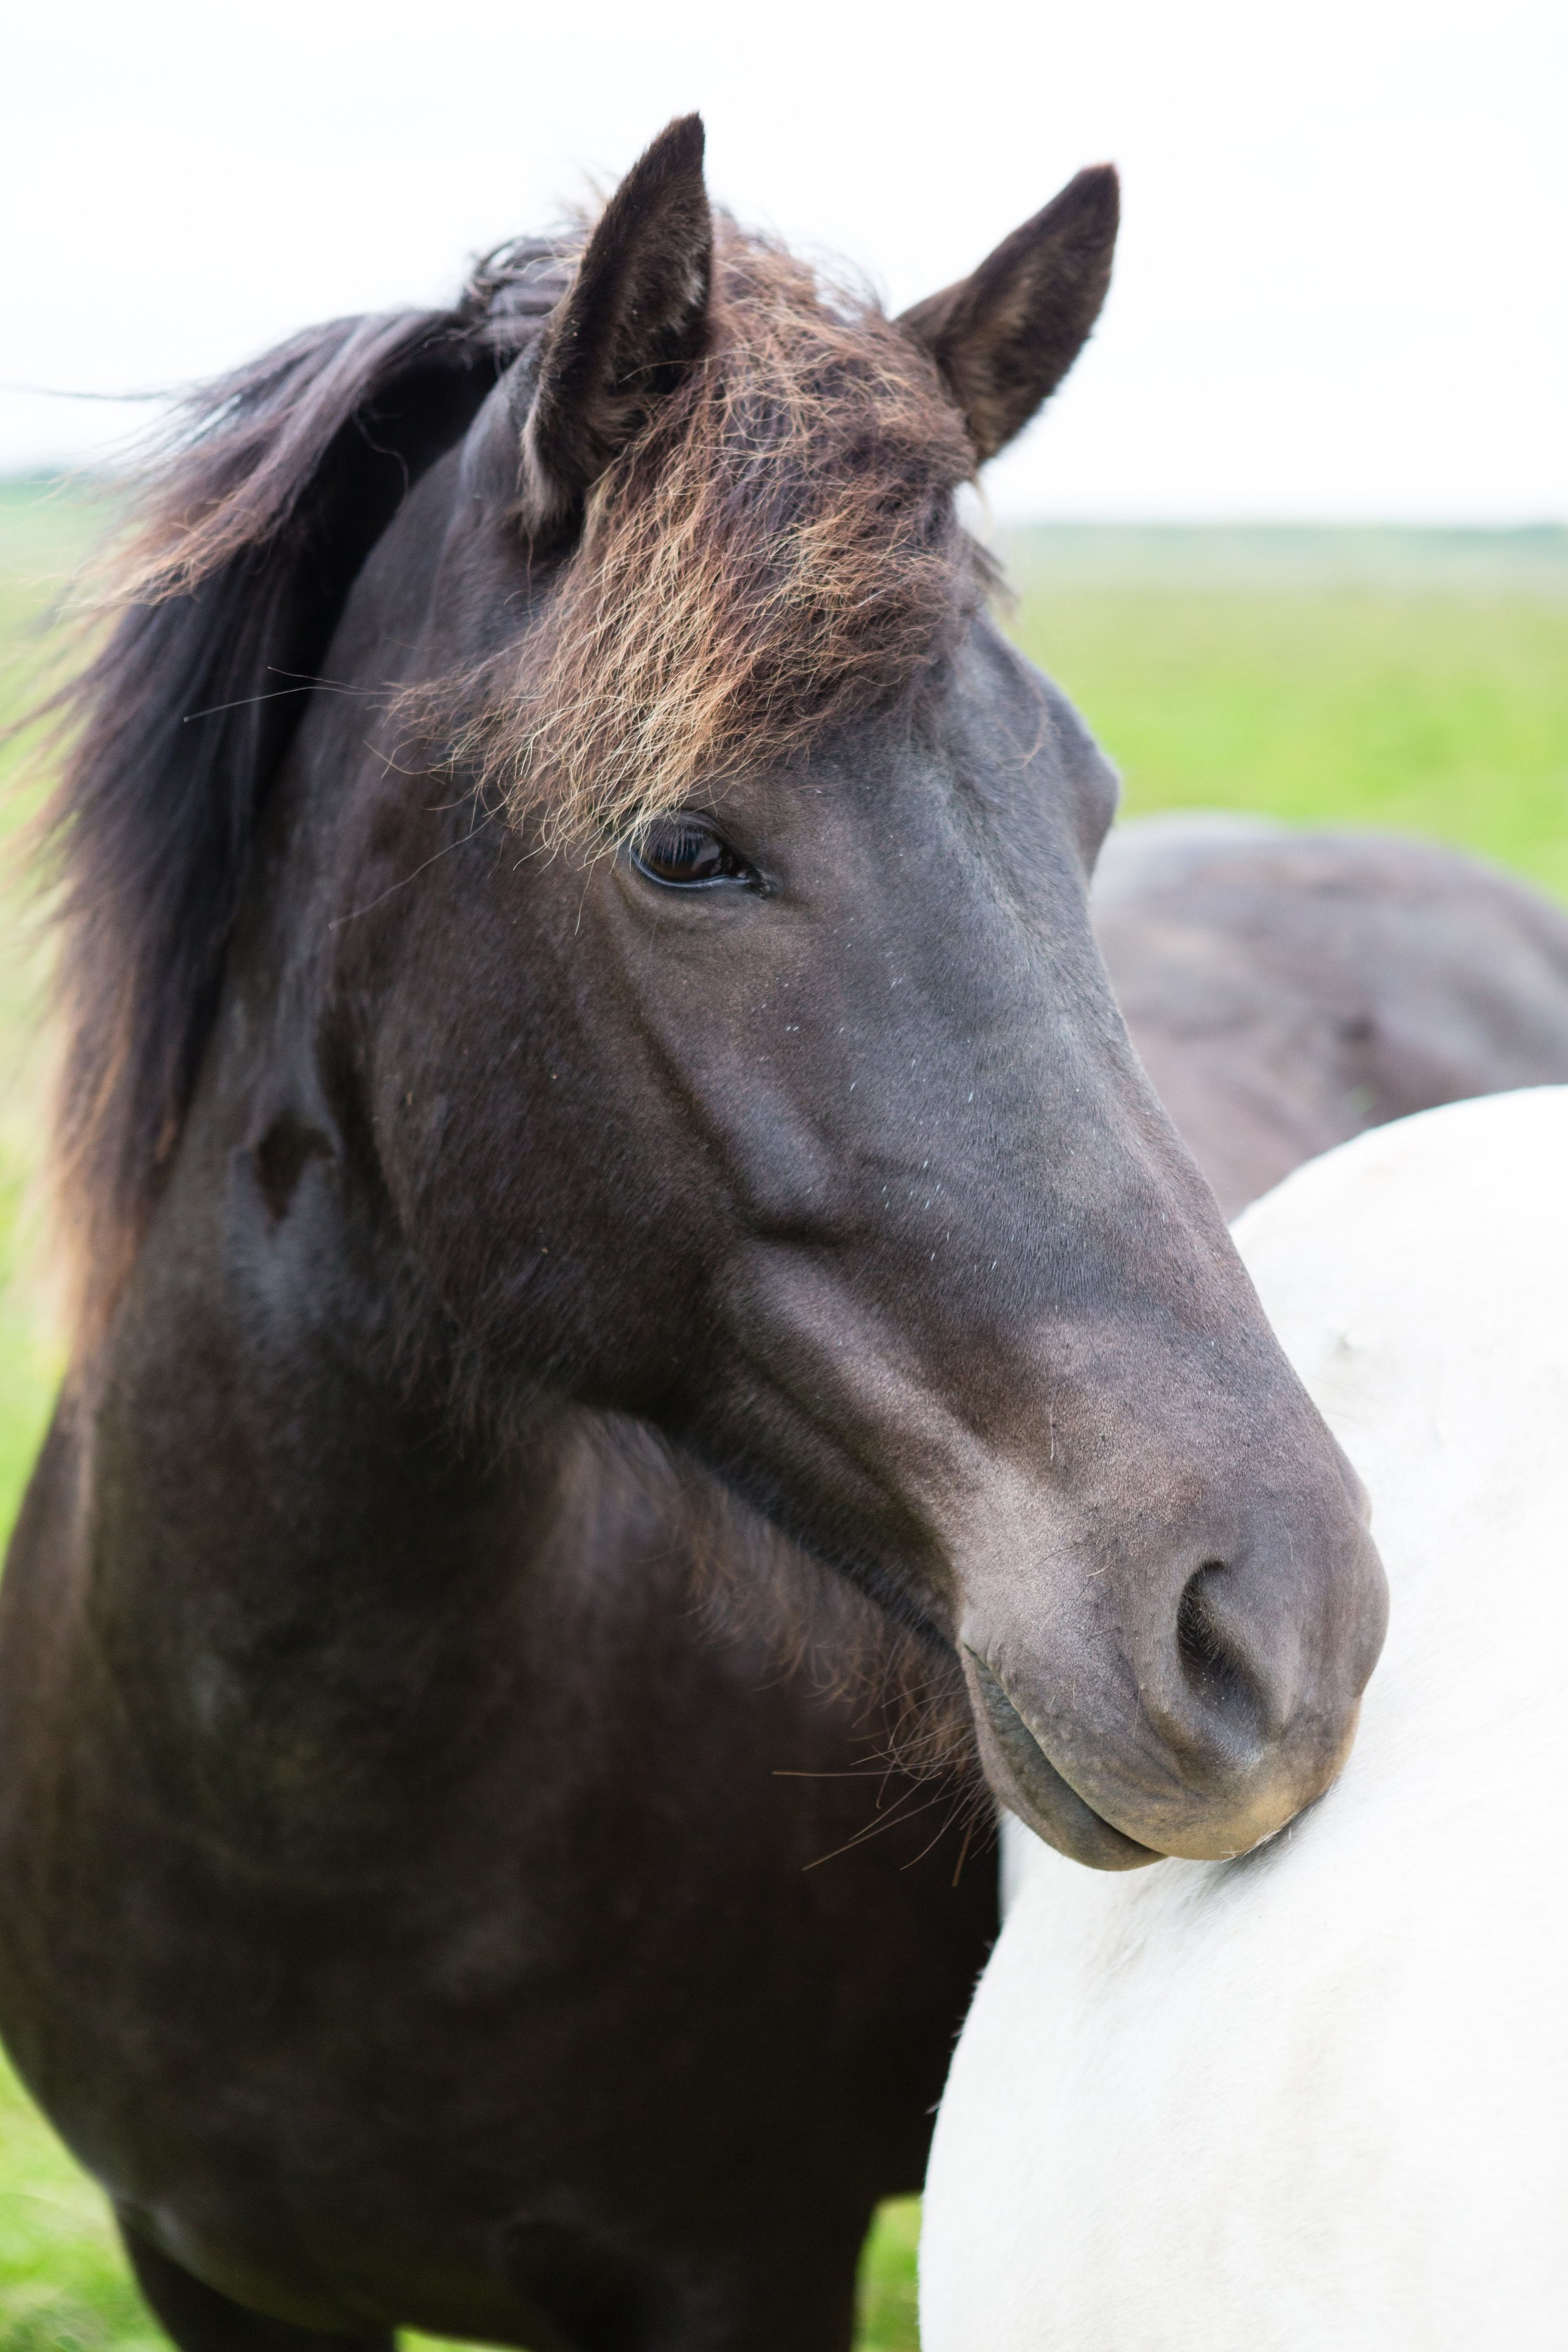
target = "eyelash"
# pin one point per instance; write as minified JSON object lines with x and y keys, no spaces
{"x":685,"y":853}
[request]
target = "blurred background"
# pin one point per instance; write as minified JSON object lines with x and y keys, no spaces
{"x":1294,"y":535}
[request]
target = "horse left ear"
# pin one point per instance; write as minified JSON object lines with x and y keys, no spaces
{"x":633,"y":319}
{"x":1004,"y":338}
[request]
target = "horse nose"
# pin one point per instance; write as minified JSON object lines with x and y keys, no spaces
{"x":1253,"y":1693}
{"x":1227,"y":1703}
{"x":1224,"y":1685}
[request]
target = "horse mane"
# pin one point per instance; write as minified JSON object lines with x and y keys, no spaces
{"x":776,"y":547}
{"x":236,"y":566}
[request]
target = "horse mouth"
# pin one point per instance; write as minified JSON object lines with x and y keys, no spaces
{"x":1034,"y":1789}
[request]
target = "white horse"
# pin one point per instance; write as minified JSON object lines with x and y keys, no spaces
{"x":1316,"y":2100}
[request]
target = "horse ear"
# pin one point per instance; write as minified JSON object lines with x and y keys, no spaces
{"x":633,"y":319}
{"x":1004,"y":338}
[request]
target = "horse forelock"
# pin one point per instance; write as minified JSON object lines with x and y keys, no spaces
{"x":777,"y":549}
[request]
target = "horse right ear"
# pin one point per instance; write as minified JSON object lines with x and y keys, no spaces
{"x":633,"y":320}
{"x":1005,"y":337}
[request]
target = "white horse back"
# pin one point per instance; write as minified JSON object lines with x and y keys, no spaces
{"x":1316,"y":2100}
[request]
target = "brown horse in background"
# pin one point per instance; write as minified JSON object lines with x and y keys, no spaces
{"x":1286,"y":990}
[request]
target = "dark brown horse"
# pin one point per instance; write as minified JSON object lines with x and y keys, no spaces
{"x":1286,"y":990}
{"x":600,"y":1148}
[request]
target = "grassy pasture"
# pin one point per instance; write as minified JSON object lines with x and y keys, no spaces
{"x":1370,"y":677}
{"x":1401,"y":679}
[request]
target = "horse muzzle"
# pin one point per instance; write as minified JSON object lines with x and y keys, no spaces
{"x":1199,"y":1736}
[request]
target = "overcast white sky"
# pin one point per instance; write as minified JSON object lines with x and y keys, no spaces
{"x":1344,"y":283}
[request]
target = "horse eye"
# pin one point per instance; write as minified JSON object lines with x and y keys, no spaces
{"x":684,"y":852}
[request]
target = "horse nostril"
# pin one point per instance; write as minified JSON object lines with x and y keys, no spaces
{"x":1216,"y":1672}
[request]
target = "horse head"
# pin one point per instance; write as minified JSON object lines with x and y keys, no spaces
{"x":699,"y":960}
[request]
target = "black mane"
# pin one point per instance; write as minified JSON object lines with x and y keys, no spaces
{"x":235,"y":573}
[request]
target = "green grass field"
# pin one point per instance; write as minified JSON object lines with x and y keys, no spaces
{"x":1367,"y":677}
